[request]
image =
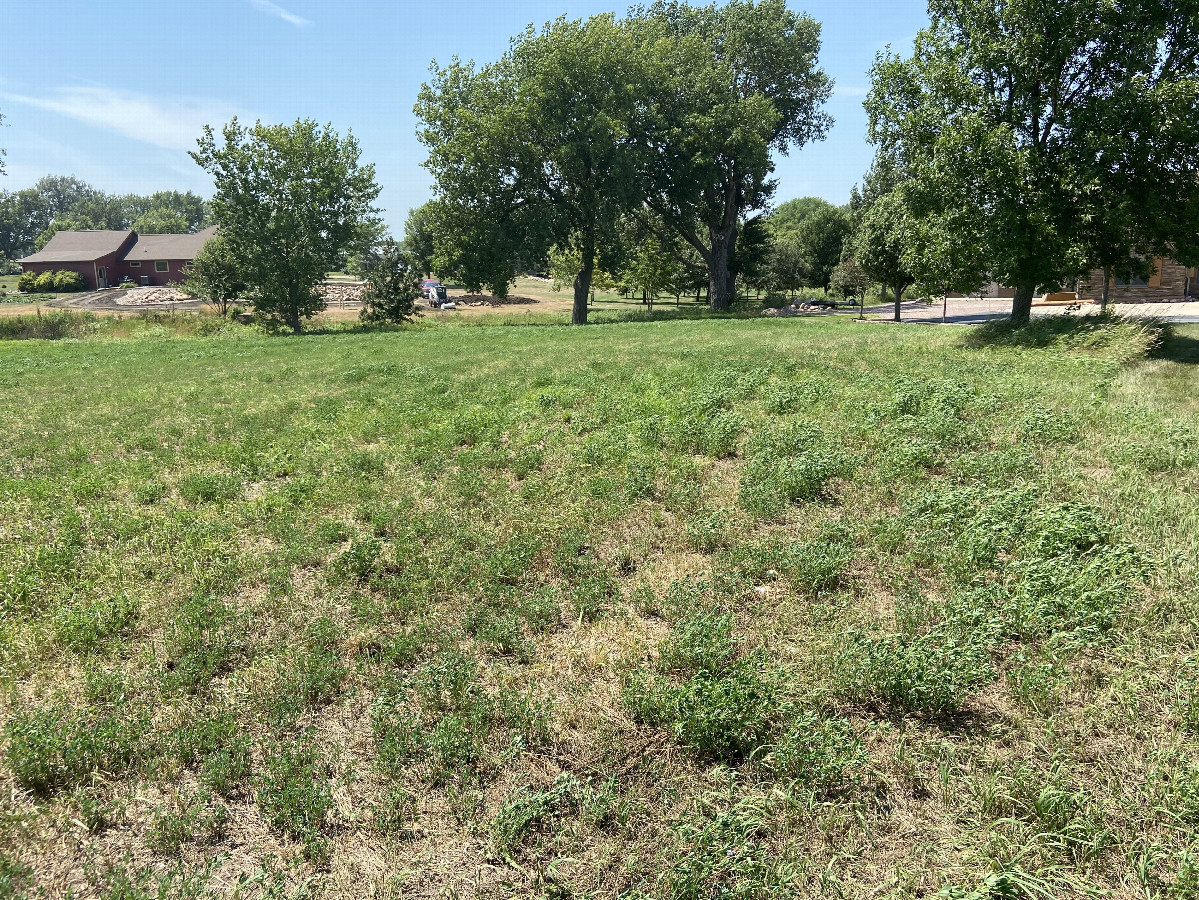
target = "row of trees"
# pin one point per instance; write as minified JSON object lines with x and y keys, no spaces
{"x":1024,"y":143}
{"x":664,"y":122}
{"x":30,"y":217}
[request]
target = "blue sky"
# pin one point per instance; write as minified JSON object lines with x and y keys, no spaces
{"x":116,"y":92}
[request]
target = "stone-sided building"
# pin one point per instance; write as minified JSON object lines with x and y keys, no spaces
{"x":1170,"y":281}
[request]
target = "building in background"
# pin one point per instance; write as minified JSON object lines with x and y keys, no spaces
{"x":106,"y":258}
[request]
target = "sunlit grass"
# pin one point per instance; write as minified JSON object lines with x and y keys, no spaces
{"x":667,"y":608}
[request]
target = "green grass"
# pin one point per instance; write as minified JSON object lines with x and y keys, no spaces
{"x":672,"y":608}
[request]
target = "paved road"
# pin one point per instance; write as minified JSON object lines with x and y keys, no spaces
{"x":971,"y":311}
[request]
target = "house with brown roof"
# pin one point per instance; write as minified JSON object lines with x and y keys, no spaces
{"x":106,"y":258}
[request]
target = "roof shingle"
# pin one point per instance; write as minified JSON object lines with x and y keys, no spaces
{"x":80,"y":246}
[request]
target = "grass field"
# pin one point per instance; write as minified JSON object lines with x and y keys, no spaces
{"x":690,"y":609}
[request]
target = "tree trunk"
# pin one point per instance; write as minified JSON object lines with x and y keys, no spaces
{"x":1022,"y":303}
{"x":293,"y":316}
{"x":720,"y":291}
{"x":578,"y":315}
{"x":898,"y":300}
{"x":1107,"y":287}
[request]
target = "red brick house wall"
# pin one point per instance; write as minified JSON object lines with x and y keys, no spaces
{"x":174,"y":271}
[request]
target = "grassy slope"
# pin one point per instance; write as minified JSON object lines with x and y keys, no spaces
{"x":767,"y":608}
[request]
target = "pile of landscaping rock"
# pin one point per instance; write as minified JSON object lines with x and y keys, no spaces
{"x":340,"y":294}
{"x":151,"y":296}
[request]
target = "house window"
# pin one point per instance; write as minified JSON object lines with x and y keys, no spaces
{"x":161,"y":266}
{"x":135,"y":265}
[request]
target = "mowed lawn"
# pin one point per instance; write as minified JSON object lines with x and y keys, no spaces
{"x":691,"y":609}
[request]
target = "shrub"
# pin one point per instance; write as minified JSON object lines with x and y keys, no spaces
{"x":27,"y":283}
{"x":44,"y":283}
{"x":66,"y":281}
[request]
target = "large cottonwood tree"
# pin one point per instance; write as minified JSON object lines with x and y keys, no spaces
{"x":743,"y":83}
{"x":539,"y":148}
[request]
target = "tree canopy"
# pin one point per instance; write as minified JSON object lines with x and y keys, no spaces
{"x":1007,"y":116}
{"x":31,"y":216}
{"x":742,"y":83}
{"x":540,"y":144}
{"x":671,"y":115}
{"x":290,"y":200}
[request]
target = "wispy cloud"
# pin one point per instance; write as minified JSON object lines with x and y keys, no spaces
{"x":849,"y":91}
{"x":274,"y":9}
{"x":174,"y":123}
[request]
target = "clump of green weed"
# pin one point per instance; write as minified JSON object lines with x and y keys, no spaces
{"x":932,"y":672}
{"x":786,"y":464}
{"x":505,"y":617}
{"x":706,"y":530}
{"x":359,"y":561}
{"x":149,"y":492}
{"x":396,"y":812}
{"x":812,"y":566}
{"x":209,"y":488}
{"x":696,"y":429}
{"x":14,"y":876}
{"x":54,"y":747}
{"x":700,"y":642}
{"x":725,"y":709}
{"x":511,"y":560}
{"x":785,"y":397}
{"x":1046,"y":426}
{"x":206,"y":640}
{"x":526,"y":812}
{"x":198,"y":821}
{"x":221,"y":748}
{"x":818,"y":752}
{"x":312,"y":675}
{"x":441,"y":716}
{"x":92,"y":621}
{"x":723,"y":849}
{"x":294,"y":795}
